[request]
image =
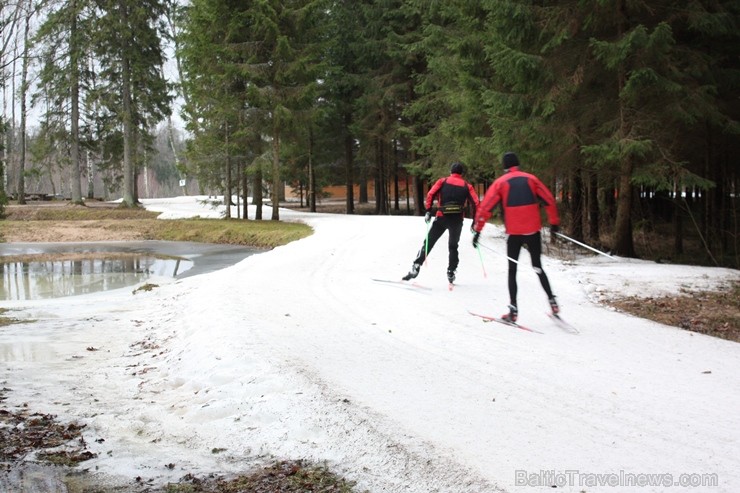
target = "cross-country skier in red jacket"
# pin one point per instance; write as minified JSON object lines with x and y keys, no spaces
{"x":452,"y":194}
{"x":520,"y":195}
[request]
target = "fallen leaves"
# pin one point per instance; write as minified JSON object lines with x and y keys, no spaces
{"x":23,"y":433}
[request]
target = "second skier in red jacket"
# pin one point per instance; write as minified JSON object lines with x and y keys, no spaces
{"x":452,"y":193}
{"x":520,"y":195}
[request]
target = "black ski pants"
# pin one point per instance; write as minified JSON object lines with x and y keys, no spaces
{"x":513,"y":247}
{"x":452,"y":223}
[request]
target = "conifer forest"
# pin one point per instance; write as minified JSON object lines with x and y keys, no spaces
{"x":627,"y":109}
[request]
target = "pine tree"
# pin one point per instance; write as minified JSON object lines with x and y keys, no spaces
{"x":446,"y":120}
{"x":262,"y":56}
{"x":9,"y":17}
{"x":661,"y":94}
{"x":66,"y":30}
{"x":128,"y":47}
{"x":390,"y":65}
{"x":344,"y":84}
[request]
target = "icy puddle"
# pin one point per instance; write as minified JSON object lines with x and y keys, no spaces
{"x":33,"y":271}
{"x":75,"y":274}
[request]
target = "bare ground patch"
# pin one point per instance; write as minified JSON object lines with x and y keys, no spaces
{"x":72,"y":231}
{"x":29,"y":436}
{"x":714,"y":313}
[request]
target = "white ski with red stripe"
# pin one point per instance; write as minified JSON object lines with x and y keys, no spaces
{"x":490,"y":318}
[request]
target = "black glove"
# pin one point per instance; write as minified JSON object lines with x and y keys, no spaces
{"x":428,"y":216}
{"x":476,"y":237}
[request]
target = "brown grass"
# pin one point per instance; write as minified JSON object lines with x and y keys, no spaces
{"x":69,"y":223}
{"x":714,"y":313}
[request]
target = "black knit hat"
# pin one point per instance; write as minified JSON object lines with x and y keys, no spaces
{"x":510,"y":160}
{"x":457,"y":168}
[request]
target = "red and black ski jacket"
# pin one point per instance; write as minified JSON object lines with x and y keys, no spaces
{"x":520,"y":195}
{"x":451,"y":193}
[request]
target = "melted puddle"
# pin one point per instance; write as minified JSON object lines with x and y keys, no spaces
{"x":76,"y":274}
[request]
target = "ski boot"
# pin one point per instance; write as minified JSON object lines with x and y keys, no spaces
{"x":554,"y":306}
{"x":450,"y":276}
{"x":511,"y":316}
{"x":413,"y":272}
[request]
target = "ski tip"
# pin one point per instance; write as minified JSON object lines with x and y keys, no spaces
{"x":490,"y":318}
{"x":407,"y":284}
{"x":560,"y":322}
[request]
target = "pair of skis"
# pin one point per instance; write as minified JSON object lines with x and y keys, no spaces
{"x":410,"y":283}
{"x":405,"y":284}
{"x":488,"y":318}
{"x":563,"y":324}
{"x":555,"y":317}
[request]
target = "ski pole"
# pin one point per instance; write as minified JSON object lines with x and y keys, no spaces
{"x":482,"y":264}
{"x":584,"y":245}
{"x":498,"y":253}
{"x":426,"y":243}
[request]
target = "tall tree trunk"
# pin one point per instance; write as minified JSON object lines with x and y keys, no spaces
{"x":349,"y":164}
{"x":74,"y":82}
{"x":407,"y":184}
{"x":275,"y":197}
{"x":677,"y":225}
{"x":138,"y":151}
{"x":245,"y":191}
{"x":623,"y":244}
{"x":396,"y":186}
{"x":148,"y":193}
{"x":362,"y":190}
{"x":6,"y":146}
{"x":128,"y":133}
{"x":419,"y":196}
{"x":257,"y":193}
{"x":311,"y":177}
{"x":90,"y":176}
{"x":593,"y":207}
{"x":3,"y":160}
{"x":91,"y":133}
{"x":381,"y":198}
{"x":578,"y":205}
{"x":24,"y":89}
{"x":257,"y":182}
{"x":228,"y":190}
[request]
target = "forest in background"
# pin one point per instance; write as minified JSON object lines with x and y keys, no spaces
{"x":627,"y":109}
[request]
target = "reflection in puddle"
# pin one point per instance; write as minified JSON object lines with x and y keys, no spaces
{"x":58,"y":278}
